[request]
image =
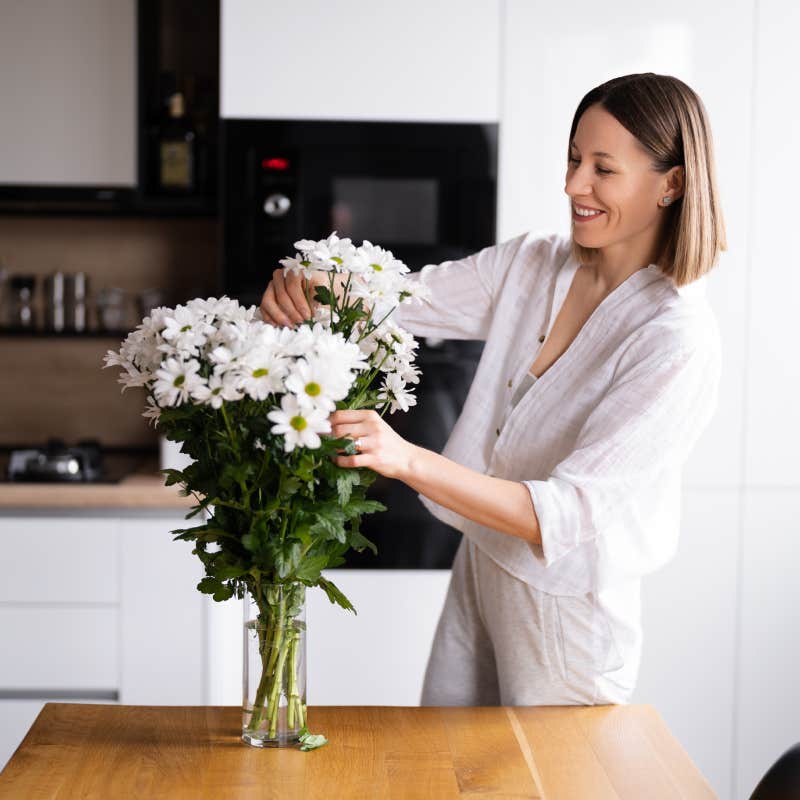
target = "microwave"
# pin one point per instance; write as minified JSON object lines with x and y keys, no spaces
{"x":425,"y":191}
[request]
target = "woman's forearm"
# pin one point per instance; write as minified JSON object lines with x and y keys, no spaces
{"x":496,"y":503}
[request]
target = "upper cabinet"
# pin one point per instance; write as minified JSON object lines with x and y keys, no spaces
{"x":109,"y":106}
{"x":68,"y":93}
{"x":412,"y":61}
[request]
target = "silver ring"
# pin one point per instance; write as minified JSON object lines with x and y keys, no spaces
{"x":357,"y":445}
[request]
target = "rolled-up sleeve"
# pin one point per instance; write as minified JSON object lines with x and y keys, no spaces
{"x":462,"y":295}
{"x":648,"y":420}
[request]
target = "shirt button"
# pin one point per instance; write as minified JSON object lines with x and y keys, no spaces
{"x":541,"y":338}
{"x":509,"y":383}
{"x":497,"y":431}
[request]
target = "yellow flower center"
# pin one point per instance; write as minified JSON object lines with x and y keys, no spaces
{"x":262,"y":372}
{"x":179,"y":380}
{"x":313,"y":389}
{"x":298,"y":423}
{"x":377,"y":267}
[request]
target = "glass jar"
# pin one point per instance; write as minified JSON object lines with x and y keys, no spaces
{"x":23,"y":314}
{"x":274,"y":667}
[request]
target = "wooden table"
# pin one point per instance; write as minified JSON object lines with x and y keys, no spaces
{"x":557,"y":752}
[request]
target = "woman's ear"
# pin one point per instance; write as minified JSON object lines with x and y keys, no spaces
{"x":674,"y":182}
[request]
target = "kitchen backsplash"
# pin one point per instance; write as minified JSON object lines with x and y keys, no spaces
{"x":55,"y":386}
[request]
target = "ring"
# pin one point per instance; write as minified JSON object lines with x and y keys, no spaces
{"x":357,"y":445}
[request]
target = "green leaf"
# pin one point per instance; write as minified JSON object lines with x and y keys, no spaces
{"x":228,"y":571}
{"x":312,"y":740}
{"x":345,"y":481}
{"x":322,"y":294}
{"x":310,"y":568}
{"x":358,"y":542}
{"x":359,"y":506}
{"x":335,"y":595}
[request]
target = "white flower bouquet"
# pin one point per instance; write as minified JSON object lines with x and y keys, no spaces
{"x":250,"y":403}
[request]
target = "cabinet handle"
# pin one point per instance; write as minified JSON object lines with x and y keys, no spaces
{"x":59,"y":694}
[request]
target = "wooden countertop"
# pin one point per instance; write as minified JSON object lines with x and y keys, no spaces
{"x":556,"y":752}
{"x":135,"y":491}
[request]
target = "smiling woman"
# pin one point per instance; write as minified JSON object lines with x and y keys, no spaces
{"x":564,"y":474}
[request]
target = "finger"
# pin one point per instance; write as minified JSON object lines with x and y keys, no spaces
{"x":271,"y":308}
{"x":295,"y":287}
{"x":282,"y":296}
{"x":351,"y":430}
{"x":362,"y":460}
{"x":347,"y":415}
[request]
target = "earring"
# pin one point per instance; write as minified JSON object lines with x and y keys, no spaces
{"x":666,"y":200}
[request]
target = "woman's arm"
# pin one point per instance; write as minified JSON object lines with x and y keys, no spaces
{"x":496,"y":503}
{"x":499,"y":504}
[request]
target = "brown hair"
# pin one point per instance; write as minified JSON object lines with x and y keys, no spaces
{"x":669,"y":120}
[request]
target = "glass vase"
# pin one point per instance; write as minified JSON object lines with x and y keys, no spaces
{"x":274,"y":674}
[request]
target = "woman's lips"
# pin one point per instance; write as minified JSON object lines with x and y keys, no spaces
{"x":578,"y":218}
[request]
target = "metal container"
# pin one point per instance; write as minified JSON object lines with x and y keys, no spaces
{"x":54,"y":301}
{"x":76,"y":294}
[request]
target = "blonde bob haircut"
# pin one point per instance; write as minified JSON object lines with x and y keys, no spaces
{"x":670,"y":122}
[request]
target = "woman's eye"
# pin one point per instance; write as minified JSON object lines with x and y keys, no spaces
{"x":599,"y":169}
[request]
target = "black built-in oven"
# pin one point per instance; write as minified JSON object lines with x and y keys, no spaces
{"x":425,"y":191}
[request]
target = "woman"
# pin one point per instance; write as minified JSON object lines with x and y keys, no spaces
{"x":600,"y":371}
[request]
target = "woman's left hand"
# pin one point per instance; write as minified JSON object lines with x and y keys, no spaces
{"x":380,"y":448}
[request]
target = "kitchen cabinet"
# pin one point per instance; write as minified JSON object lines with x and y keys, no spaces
{"x":83,"y":86}
{"x":377,"y":657}
{"x":97,"y":608}
{"x":412,"y":61}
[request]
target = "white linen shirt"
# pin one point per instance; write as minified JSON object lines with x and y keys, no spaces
{"x":600,"y":439}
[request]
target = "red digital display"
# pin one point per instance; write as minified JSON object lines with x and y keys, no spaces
{"x":278,"y":164}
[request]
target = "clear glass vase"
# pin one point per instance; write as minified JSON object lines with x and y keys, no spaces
{"x":274,"y":676}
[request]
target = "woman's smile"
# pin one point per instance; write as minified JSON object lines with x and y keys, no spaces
{"x":585,"y":213}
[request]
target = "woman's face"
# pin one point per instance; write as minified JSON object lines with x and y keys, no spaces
{"x":620,"y":185}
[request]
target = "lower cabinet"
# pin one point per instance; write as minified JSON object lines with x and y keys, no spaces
{"x":377,"y":657}
{"x":97,"y":609}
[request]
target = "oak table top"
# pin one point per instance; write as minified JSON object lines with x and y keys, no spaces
{"x":558,"y":752}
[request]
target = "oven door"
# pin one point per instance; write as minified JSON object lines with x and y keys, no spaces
{"x":425,"y":191}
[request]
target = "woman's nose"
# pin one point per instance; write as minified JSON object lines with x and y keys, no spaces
{"x":578,"y":183}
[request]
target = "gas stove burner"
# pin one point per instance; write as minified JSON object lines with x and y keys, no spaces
{"x":55,"y":462}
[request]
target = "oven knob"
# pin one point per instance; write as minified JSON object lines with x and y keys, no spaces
{"x":277,"y":205}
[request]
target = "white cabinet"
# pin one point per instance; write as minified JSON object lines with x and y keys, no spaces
{"x":97,"y":609}
{"x":375,"y":658}
{"x":382,"y":60}
{"x":773,"y":368}
{"x":768,"y":691}
{"x":68,"y":93}
{"x":689,"y":618}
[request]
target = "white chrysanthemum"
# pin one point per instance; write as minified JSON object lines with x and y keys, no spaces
{"x":152,"y":411}
{"x":379,"y":260}
{"x":261,"y":372}
{"x":217,"y":390}
{"x":175,"y":381}
{"x":186,"y":331}
{"x":318,"y":384}
{"x":300,"y":266}
{"x":328,"y":254}
{"x":300,"y":427}
{"x":393,"y":391}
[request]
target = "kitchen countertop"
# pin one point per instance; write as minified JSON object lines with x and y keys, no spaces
{"x":608,"y":752}
{"x":132,"y":481}
{"x":135,"y":491}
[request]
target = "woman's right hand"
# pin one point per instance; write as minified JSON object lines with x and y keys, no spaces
{"x":284,"y":302}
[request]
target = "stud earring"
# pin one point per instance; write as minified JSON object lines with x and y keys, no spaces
{"x":666,"y":200}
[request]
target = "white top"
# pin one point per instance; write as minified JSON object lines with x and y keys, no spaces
{"x":600,"y":438}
